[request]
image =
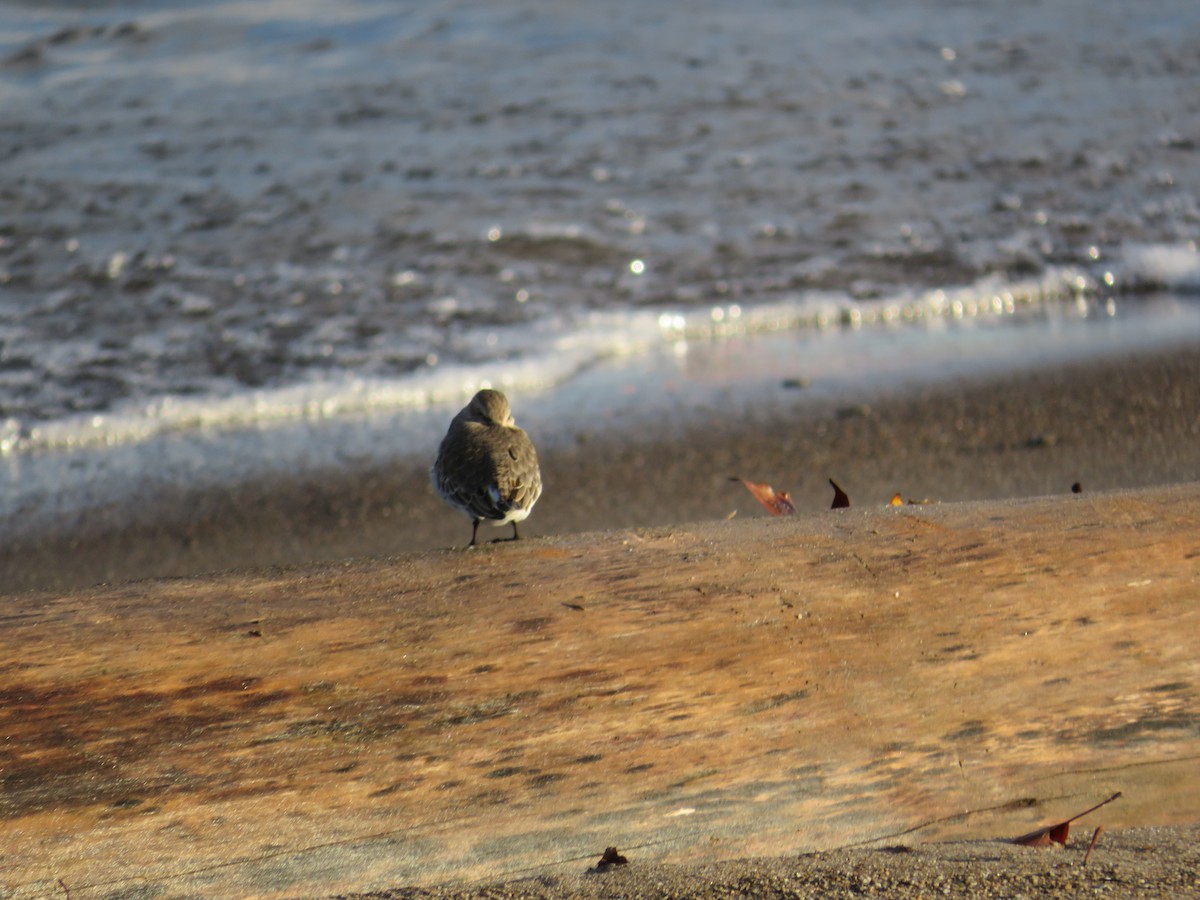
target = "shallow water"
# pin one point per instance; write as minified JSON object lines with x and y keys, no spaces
{"x":245,"y":230}
{"x":207,"y":199}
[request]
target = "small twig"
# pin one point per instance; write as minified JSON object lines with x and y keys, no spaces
{"x":1094,"y":808}
{"x":1095,"y":837}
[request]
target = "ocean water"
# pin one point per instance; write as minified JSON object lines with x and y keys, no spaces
{"x":277,"y":236}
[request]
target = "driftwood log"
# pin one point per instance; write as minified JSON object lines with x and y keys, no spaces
{"x":722,"y":689}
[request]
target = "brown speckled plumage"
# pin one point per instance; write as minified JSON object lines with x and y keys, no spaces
{"x":486,"y":466}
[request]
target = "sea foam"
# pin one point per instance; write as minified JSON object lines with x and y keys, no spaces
{"x":534,"y":359}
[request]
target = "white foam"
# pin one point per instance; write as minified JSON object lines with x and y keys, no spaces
{"x":528,"y":359}
{"x":1170,"y":266}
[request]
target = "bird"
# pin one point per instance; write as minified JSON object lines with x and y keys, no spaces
{"x":486,"y":466}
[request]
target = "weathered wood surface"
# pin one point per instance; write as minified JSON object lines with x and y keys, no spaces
{"x":721,"y":689}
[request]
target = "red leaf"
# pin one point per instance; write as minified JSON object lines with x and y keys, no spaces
{"x":1057,"y":833}
{"x":777,"y":503}
{"x":1039,"y":838}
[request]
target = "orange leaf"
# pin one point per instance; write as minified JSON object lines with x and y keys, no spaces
{"x":896,"y":500}
{"x":777,"y":503}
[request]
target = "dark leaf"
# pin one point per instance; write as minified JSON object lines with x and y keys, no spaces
{"x":610,"y":858}
{"x":840,"y":499}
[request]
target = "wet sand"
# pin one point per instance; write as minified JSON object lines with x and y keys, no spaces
{"x":1127,"y":420}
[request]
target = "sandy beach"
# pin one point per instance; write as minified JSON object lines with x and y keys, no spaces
{"x":789,"y":706}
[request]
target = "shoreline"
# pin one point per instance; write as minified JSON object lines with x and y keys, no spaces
{"x":1125,"y":420}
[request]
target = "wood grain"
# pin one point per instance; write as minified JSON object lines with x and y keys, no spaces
{"x":722,"y":689}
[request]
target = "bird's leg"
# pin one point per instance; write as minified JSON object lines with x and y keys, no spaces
{"x":474,"y":528}
{"x":515,"y":537}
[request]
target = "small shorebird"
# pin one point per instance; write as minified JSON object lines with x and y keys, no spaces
{"x":486,"y":465}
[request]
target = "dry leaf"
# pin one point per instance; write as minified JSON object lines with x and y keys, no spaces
{"x":777,"y":503}
{"x":610,"y":858}
{"x":840,"y":498}
{"x":1044,"y":837}
{"x":1058,"y":832}
{"x":898,"y":500}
